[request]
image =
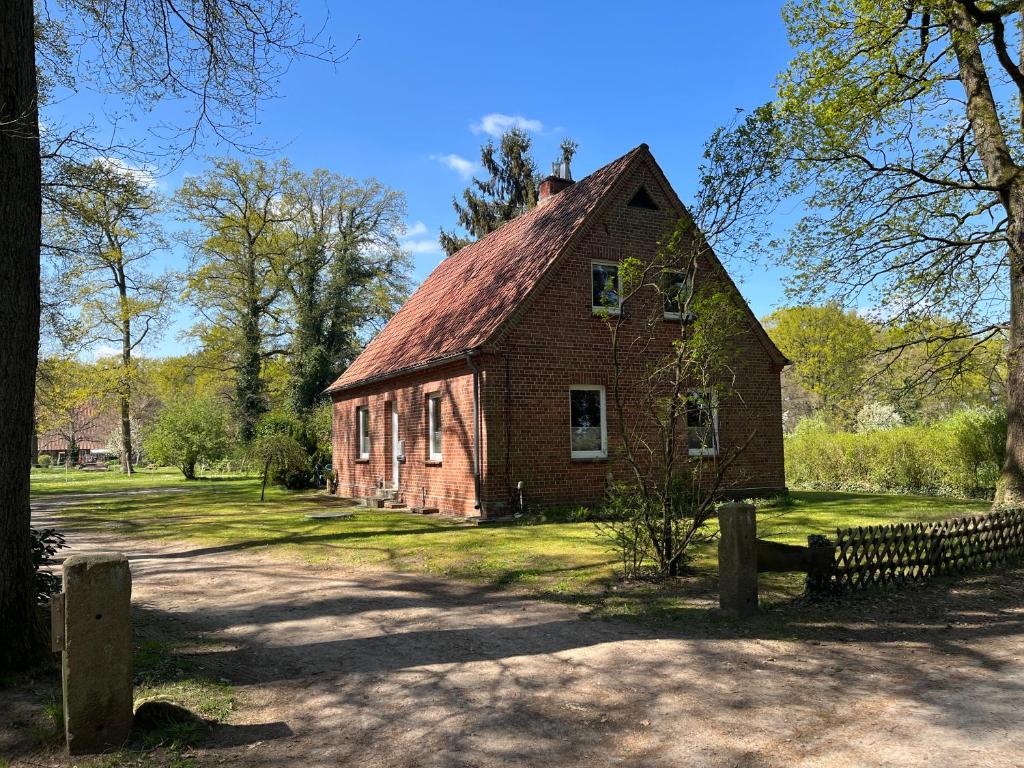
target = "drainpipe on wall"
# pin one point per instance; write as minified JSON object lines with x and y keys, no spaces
{"x":476,"y":431}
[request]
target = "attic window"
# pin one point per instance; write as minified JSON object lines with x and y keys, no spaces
{"x":643,"y":199}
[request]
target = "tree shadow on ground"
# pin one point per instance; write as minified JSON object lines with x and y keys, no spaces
{"x":449,"y":662}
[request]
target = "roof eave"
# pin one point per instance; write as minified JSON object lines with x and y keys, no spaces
{"x":436,"y":363}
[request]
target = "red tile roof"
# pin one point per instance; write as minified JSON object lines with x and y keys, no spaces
{"x":470,"y":294}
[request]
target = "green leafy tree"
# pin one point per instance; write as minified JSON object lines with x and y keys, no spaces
{"x":69,"y":397}
{"x":345,"y":274}
{"x":235,"y":275}
{"x":930,"y":368}
{"x":509,"y":190}
{"x":903,"y":124}
{"x":188,"y":432}
{"x":831,"y":352}
{"x":663,"y":401}
{"x":108,"y":230}
{"x":221,"y":57}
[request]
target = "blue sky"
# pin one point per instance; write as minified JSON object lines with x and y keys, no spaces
{"x":409,"y":106}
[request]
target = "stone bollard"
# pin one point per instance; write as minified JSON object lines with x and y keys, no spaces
{"x":93,"y":627}
{"x":737,"y":559}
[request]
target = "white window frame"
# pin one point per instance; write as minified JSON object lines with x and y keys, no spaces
{"x":618,"y":287}
{"x":603,"y":452}
{"x":674,"y":315}
{"x":363,"y":430}
{"x":433,"y":417}
{"x":713,"y":451}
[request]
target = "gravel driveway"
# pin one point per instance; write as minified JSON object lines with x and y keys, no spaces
{"x":372,"y":668}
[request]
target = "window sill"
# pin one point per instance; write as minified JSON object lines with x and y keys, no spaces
{"x":432,"y":463}
{"x":603,"y":312}
{"x":362,"y":461}
{"x":588,"y":459}
{"x":702,"y":454}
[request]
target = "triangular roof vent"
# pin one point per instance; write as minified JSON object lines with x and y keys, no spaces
{"x":643,"y":199}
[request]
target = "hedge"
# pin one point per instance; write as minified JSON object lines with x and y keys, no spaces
{"x":960,"y":455}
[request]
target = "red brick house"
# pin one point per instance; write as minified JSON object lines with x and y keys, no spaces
{"x":494,"y":373}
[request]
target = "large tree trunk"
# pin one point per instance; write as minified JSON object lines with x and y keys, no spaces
{"x":1011,"y":486}
{"x":248,"y":387}
{"x":21,"y":631}
{"x":126,"y":373}
{"x":1005,"y":175}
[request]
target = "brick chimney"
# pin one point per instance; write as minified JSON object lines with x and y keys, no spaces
{"x":560,"y":178}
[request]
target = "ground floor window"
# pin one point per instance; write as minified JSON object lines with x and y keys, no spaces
{"x":588,"y":431}
{"x":702,"y":423}
{"x":363,"y":424}
{"x":434,"y":426}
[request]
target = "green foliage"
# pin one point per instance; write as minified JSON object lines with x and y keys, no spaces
{"x":509,"y":190}
{"x":314,"y":257}
{"x":321,"y":424}
{"x":959,"y":455}
{"x":346,"y":273}
{"x":901,"y":127}
{"x":46,"y":542}
{"x":843,"y":362}
{"x":45,"y":460}
{"x":189,"y":432}
{"x":829,"y":348}
{"x":283,"y":449}
{"x":237,"y":259}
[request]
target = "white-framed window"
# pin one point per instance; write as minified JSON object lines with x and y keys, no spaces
{"x":702,"y":422}
{"x":588,"y":428}
{"x":434,"y":426}
{"x":605,"y":291}
{"x":363,"y":430}
{"x":675,"y":286}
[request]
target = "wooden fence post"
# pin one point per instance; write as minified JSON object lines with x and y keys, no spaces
{"x":737,"y":559}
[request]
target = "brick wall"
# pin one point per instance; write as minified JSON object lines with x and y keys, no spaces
{"x":558,"y":342}
{"x":554,"y":342}
{"x":447,"y":484}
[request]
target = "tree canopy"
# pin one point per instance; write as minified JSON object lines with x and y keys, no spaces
{"x":509,"y":190}
{"x":901,"y":122}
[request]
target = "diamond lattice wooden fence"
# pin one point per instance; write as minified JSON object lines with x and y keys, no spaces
{"x":894,"y":554}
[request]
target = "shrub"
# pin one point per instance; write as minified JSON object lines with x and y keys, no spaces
{"x":189,"y":432}
{"x":45,"y":461}
{"x":876,"y":415}
{"x":961,"y":455}
{"x":280,"y":456}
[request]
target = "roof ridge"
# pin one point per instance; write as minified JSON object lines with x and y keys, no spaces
{"x":538,"y":209}
{"x":471,"y":295}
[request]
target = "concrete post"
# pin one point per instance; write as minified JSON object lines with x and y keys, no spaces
{"x":737,"y":559}
{"x":97,"y":664}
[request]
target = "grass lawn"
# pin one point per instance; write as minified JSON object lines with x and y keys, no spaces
{"x":565,"y":561}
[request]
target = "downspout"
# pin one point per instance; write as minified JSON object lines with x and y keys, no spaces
{"x":476,"y":430}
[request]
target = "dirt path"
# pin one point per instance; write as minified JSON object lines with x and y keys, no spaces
{"x":336,"y":667}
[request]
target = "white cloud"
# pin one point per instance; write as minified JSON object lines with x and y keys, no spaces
{"x":417,"y":240}
{"x":415,"y":229}
{"x":421,"y":246}
{"x":496,"y":124}
{"x":465,"y":168}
